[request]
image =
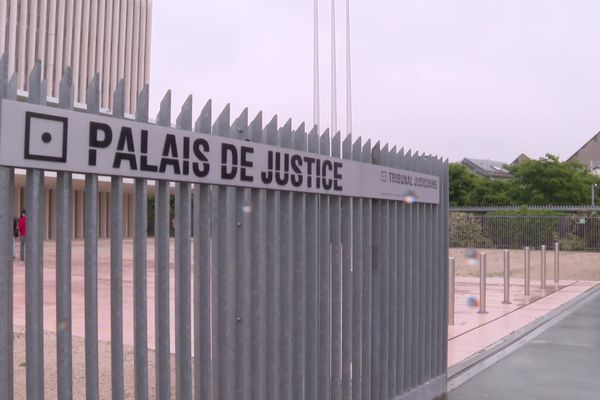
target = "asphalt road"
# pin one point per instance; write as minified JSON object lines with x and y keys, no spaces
{"x":561,"y":363}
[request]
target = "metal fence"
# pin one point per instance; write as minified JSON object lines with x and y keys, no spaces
{"x":574,"y":232}
{"x":294,"y":295}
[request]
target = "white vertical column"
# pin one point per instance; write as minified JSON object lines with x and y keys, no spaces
{"x":148,"y":44}
{"x":3,"y":19}
{"x":12,"y":35}
{"x":91,"y":67}
{"x":113,"y":25}
{"x":85,"y":35}
{"x":103,"y":51}
{"x":51,"y":40}
{"x":122,"y":39}
{"x":41,"y":40}
{"x":134,"y":54}
{"x":77,"y":49}
{"x":60,"y":32}
{"x":141,"y":55}
{"x":68,"y":52}
{"x":22,"y":57}
{"x":31,"y":35}
{"x":128,"y":55}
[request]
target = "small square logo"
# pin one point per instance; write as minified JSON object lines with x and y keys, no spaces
{"x":45,"y":137}
{"x":383,"y":176}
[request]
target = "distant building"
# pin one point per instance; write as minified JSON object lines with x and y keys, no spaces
{"x":489,"y":168}
{"x":108,"y":37}
{"x":589,"y":154}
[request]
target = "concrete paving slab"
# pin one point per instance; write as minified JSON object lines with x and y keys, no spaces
{"x":563,"y":362}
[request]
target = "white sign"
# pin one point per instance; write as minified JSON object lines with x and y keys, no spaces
{"x":33,"y":136}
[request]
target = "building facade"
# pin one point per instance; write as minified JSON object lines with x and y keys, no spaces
{"x":108,"y":37}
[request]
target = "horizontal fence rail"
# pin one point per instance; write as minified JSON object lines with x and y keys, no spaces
{"x":485,"y":209}
{"x":574,"y":232}
{"x":274,"y":294}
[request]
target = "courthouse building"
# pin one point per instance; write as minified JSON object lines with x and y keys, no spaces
{"x":108,"y":37}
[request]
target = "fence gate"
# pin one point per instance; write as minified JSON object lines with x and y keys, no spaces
{"x":317,"y":268}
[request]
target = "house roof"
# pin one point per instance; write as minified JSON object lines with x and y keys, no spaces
{"x":522,"y":157}
{"x":589,"y":153}
{"x":491,"y":168}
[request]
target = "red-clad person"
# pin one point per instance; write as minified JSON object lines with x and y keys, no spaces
{"x":23,"y":232}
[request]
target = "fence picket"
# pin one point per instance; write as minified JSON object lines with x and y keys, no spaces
{"x":202,"y":274}
{"x":162,"y":279}
{"x":140,"y":266}
{"x":183,"y":290}
{"x":90,"y":231}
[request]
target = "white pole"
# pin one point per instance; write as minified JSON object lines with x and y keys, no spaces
{"x":348,"y":73}
{"x":333,"y":74}
{"x":316,"y":104}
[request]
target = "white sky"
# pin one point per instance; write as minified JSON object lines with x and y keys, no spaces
{"x":460,"y":78}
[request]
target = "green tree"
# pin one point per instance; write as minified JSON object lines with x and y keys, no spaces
{"x":462,"y":183}
{"x":547,"y":181}
{"x":469,"y":189}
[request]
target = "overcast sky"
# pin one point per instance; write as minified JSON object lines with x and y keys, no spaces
{"x":461,"y":78}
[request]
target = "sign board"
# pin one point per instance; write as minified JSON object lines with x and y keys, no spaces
{"x":33,"y":136}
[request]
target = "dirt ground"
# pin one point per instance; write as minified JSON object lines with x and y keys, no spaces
{"x":573,"y":265}
{"x":20,"y":368}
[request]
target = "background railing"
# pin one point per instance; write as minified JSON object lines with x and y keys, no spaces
{"x":574,"y":231}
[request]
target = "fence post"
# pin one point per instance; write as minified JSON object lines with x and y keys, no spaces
{"x":482,"y":283}
{"x":527,"y":270}
{"x":556,"y":263}
{"x":451,"y":287}
{"x":506,"y":277}
{"x":543,"y":267}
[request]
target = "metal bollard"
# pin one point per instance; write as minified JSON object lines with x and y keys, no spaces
{"x":527,"y":270}
{"x":506,"y":277}
{"x":543,"y":267}
{"x":556,"y":262}
{"x":482,"y":283}
{"x":451,"y":288}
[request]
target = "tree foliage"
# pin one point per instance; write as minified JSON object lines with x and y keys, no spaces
{"x":545,"y":181}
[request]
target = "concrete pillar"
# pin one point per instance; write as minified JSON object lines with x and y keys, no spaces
{"x":130,"y":211}
{"x":73,"y":212}
{"x":80,"y":206}
{"x":47,"y":211}
{"x":102,"y":215}
{"x":17,"y":202}
{"x":53,"y":213}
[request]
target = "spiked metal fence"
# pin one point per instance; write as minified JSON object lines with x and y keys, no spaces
{"x":295,"y":295}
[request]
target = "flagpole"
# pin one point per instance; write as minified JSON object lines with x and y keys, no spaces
{"x":348,"y":73}
{"x":316,"y":105}
{"x":333,"y":73}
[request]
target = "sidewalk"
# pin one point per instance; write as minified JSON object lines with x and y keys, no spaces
{"x":562,"y":362}
{"x":474,"y":332}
